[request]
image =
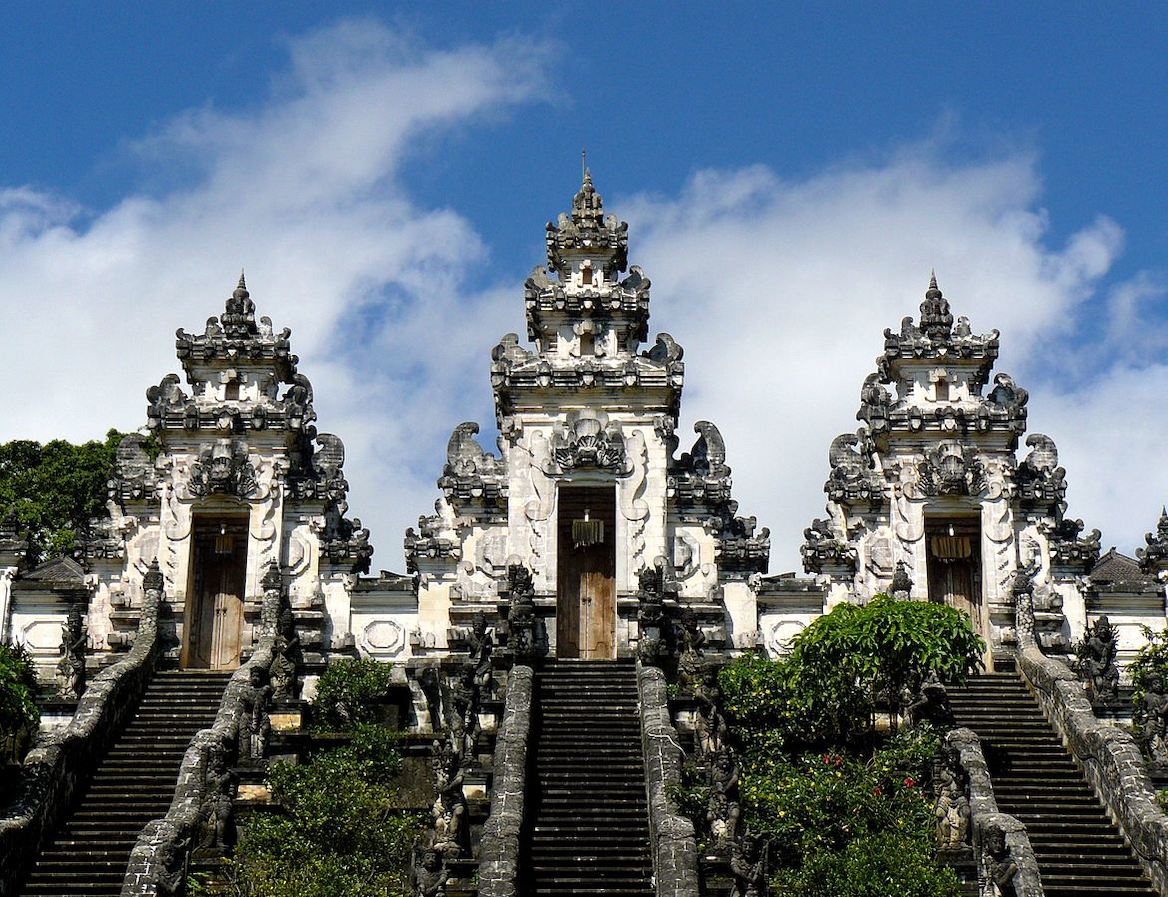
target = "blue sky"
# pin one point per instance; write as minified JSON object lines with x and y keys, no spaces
{"x":804,"y":164}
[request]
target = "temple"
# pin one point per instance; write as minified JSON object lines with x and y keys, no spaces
{"x":590,"y":536}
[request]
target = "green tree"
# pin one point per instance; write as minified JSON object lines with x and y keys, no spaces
{"x":351,"y":692}
{"x":890,"y":647}
{"x":52,"y":491}
{"x":19,"y":717}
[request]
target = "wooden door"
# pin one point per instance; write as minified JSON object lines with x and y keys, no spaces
{"x":586,"y":578}
{"x":954,"y":568}
{"x":215,"y":607}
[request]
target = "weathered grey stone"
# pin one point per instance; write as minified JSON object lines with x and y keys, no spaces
{"x":64,"y":757}
{"x":675,"y":853}
{"x":159,"y":855}
{"x":988,"y":824}
{"x":499,"y":847}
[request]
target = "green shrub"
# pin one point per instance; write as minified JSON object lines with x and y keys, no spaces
{"x":782,"y":707}
{"x":350,"y":693}
{"x":889,"y":646}
{"x":880,"y":864}
{"x":344,"y":833}
{"x":19,"y":717}
{"x":1151,"y":662}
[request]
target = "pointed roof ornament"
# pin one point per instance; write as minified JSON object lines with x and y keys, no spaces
{"x":239,"y":318}
{"x":936,"y":319}
{"x":585,"y":231}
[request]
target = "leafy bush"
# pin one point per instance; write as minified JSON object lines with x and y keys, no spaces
{"x":823,"y":802}
{"x":783,"y":707}
{"x":881,"y":864}
{"x":19,"y":717}
{"x":350,"y":693}
{"x":344,"y":833}
{"x":889,"y":646}
{"x":52,"y":491}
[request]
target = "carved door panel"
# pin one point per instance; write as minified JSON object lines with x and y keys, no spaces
{"x":598,"y":612}
{"x":586,"y":577}
{"x":214,"y":616}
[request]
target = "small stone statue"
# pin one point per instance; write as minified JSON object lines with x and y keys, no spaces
{"x":430,"y":873}
{"x":930,"y":703}
{"x":216,"y":812}
{"x":901,"y":588}
{"x":70,"y":673}
{"x":651,"y":625}
{"x":521,"y":613}
{"x":723,"y":809}
{"x":450,"y":810}
{"x":255,"y":726}
{"x":748,"y":863}
{"x":1154,"y":718}
{"x":1000,"y":868}
{"x":690,"y":640}
{"x":1095,"y":662}
{"x":710,"y":726}
{"x":480,"y":655}
{"x":951,"y":809}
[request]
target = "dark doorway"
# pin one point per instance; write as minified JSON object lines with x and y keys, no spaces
{"x":213,"y":620}
{"x":954,"y":560}
{"x":586,"y":579}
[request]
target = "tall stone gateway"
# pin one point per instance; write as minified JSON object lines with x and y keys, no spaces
{"x":930,"y":499}
{"x":587,"y":490}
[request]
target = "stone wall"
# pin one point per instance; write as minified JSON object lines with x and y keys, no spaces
{"x":1109,"y":756}
{"x":988,"y":822}
{"x":499,"y":847}
{"x":674,"y":846}
{"x":158,"y":862}
{"x":65,"y":757}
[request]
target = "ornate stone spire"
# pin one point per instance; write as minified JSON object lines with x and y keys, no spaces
{"x":936,"y":319}
{"x":585,"y":233}
{"x":239,"y":318}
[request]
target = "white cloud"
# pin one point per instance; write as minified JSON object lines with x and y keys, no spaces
{"x":780,"y":290}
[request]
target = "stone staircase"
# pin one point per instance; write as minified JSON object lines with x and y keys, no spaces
{"x":132,"y":785}
{"x":1079,"y":851}
{"x":588,"y":821}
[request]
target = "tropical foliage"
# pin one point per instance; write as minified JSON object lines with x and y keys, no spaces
{"x":350,"y":693}
{"x":51,"y":491}
{"x":19,"y":718}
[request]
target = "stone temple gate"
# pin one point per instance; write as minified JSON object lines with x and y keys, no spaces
{"x":557,"y":584}
{"x":931,"y":496}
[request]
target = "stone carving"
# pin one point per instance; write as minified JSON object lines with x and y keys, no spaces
{"x":1095,"y":662}
{"x":255,"y":726}
{"x":1152,"y":718}
{"x":852,"y":480}
{"x":165,"y":397}
{"x":738,"y":551}
{"x":945,"y":470}
{"x":344,"y":540}
{"x":586,"y":228}
{"x":902,"y":584}
{"x":1069,"y":548}
{"x":710,"y":728}
{"x":723,"y":809}
{"x":589,"y":441}
{"x":700,"y":477}
{"x":472,"y":477}
{"x":521,"y":612}
{"x":748,"y":863}
{"x":929,"y":702}
{"x":286,"y":651}
{"x":653,"y":645}
{"x":133,"y":478}
{"x":223,"y":469}
{"x":1041,"y":483}
{"x":875,"y":401}
{"x":1154,"y":558}
{"x":216,"y":812}
{"x":448,"y":835}
{"x":70,"y":673}
{"x":998,"y":863}
{"x":951,"y":808}
{"x":430,"y":873}
{"x":690,"y":642}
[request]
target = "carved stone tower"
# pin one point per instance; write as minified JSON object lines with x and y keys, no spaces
{"x":585,"y":491}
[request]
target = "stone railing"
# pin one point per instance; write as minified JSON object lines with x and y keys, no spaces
{"x":64,"y":758}
{"x":1109,"y":756}
{"x":499,"y":847}
{"x":675,"y":853}
{"x":989,"y":825}
{"x":158,"y":862}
